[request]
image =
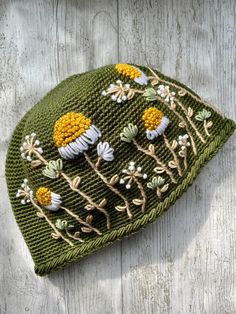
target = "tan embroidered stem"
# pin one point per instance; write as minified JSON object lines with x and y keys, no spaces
{"x":173,"y":154}
{"x":58,"y":233}
{"x":184,"y":122}
{"x":158,"y":161}
{"x":40,"y":157}
{"x":111,"y":187}
{"x":158,"y":191}
{"x":206,"y":128}
{"x":88,"y":199}
{"x":193,"y":125}
{"x":81,"y":221}
{"x":144,"y":196}
{"x":182,"y":89}
{"x":74,"y":237}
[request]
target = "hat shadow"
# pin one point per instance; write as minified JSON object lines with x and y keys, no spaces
{"x":164,"y":241}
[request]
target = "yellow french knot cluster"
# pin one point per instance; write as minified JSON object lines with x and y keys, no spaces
{"x":69,"y":127}
{"x":128,"y":70}
{"x":43,"y":196}
{"x":152,"y":118}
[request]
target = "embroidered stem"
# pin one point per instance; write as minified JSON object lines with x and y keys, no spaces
{"x":58,"y":233}
{"x":158,"y":161}
{"x":183,"y":90}
{"x":81,"y":221}
{"x":74,"y":237}
{"x":176,"y":160}
{"x":112,"y":188}
{"x":40,"y":157}
{"x":88,"y":199}
{"x":184,"y":122}
{"x":144,"y":196}
{"x":190,"y":121}
{"x":206,"y":128}
{"x":158,"y":191}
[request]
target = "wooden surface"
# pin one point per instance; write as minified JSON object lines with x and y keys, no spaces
{"x":183,"y":263}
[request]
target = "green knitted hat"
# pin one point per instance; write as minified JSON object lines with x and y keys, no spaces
{"x":102,"y":155}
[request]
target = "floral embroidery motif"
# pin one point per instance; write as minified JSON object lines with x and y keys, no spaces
{"x":132,"y":175}
{"x":75,"y":134}
{"x":203,"y":116}
{"x":184,"y":144}
{"x":53,"y":169}
{"x":120,"y":92}
{"x":132,"y":72}
{"x":158,"y":184}
{"x":129,"y":135}
{"x":155,"y":122}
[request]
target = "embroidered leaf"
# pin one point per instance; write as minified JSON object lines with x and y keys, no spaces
{"x":159,"y":170}
{"x":203,"y":115}
{"x":174,"y":144}
{"x":36,"y":163}
{"x":165,"y":188}
{"x":182,"y":124}
{"x":190,"y":112}
{"x":181,"y":93}
{"x":63,"y":225}
{"x":75,"y":182}
{"x":40,"y":215}
{"x":129,"y":133}
{"x":151,"y":149}
{"x":89,"y":207}
{"x":114,"y":179}
{"x":150,"y":94}
{"x":172,"y":105}
{"x":55,"y":236}
{"x":53,"y":168}
{"x":182,"y":153}
{"x":103,"y":203}
{"x":172,"y":164}
{"x":209,"y":124}
{"x":137,"y":201}
{"x":77,"y":234}
{"x":89,"y":219}
{"x":120,"y":208}
{"x":155,"y":182}
{"x":86,"y":229}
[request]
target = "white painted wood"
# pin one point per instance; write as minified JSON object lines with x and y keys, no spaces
{"x":183,"y":263}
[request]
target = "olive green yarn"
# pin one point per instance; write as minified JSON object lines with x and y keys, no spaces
{"x":82,"y":93}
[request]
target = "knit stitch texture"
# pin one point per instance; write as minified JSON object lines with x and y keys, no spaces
{"x":82,"y":93}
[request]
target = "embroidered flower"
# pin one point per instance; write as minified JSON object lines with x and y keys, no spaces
{"x":25,"y":193}
{"x":131,"y":173}
{"x":203,"y":115}
{"x":129,"y":133}
{"x":63,"y":225}
{"x":73,"y":134}
{"x":132,"y":72}
{"x":48,"y":199}
{"x":105,"y":151}
{"x":155,"y":122}
{"x":119,"y":92}
{"x":183,"y":141}
{"x":158,"y":184}
{"x":164,"y":92}
{"x":30,"y":147}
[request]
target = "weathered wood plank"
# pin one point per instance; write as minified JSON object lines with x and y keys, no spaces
{"x":184,"y":263}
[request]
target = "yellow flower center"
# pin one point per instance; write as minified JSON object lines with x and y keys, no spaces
{"x":128,"y":70}
{"x":69,"y":127}
{"x":43,"y":196}
{"x":152,"y":118}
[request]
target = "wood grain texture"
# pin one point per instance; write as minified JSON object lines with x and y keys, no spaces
{"x":183,"y":263}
